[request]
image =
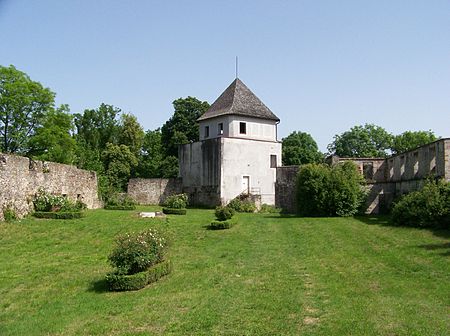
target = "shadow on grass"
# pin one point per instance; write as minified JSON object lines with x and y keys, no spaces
{"x":444,"y":248}
{"x":99,"y":286}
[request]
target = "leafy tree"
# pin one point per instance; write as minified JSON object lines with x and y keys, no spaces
{"x":300,"y":148}
{"x":169,"y":167}
{"x":131,"y":133}
{"x":118,"y":161}
{"x":411,"y":139}
{"x":182,"y":126}
{"x":362,"y":141}
{"x":96,"y":127}
{"x":151,"y":156}
{"x":53,"y":140}
{"x":23,"y":106}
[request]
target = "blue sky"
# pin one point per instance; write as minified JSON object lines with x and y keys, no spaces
{"x":322,"y":66}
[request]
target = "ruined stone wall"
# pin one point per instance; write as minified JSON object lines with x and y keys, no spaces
{"x":285,"y":188}
{"x":153,"y":190}
{"x":20,"y":179}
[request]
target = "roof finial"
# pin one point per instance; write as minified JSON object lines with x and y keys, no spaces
{"x":236,"y":67}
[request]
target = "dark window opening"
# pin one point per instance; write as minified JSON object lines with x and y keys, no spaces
{"x":206,"y":131}
{"x":273,"y":161}
{"x":220,"y":129}
{"x":243,"y":128}
{"x":368,"y":170}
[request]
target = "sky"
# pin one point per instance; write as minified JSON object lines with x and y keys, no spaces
{"x":322,"y":66}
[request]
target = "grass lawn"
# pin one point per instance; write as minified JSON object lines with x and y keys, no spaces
{"x":268,"y":275}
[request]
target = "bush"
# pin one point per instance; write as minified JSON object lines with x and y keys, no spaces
{"x":223,"y":213}
{"x":9,"y":214}
{"x":428,"y":207}
{"x":221,"y":225}
{"x":135,"y":253}
{"x":45,"y":202}
{"x":171,"y":211}
{"x":120,"y":202}
{"x":177,"y":201}
{"x":239,"y":205}
{"x":329,"y":191}
{"x":126,"y":282}
{"x":266,"y":208}
{"x":59,"y":215}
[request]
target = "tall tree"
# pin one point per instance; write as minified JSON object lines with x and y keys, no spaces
{"x":118,"y":161}
{"x":53,"y":141}
{"x":23,"y":106}
{"x":182,"y":126}
{"x":96,"y":127}
{"x":300,"y":148}
{"x":151,"y":156}
{"x":362,"y":141}
{"x":411,"y":139}
{"x":131,"y":133}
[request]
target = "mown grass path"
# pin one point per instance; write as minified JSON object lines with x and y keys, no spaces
{"x":268,"y":275}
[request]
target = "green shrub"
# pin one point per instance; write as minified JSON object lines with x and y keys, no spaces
{"x":329,"y":191}
{"x":240,"y":205}
{"x":119,"y":200}
{"x":223,"y":213}
{"x":126,"y":282}
{"x":120,"y":207}
{"x":171,"y":211}
{"x":45,"y":202}
{"x":428,"y":207}
{"x":267,"y":208}
{"x":221,"y":225}
{"x":176,"y":201}
{"x":59,"y":214}
{"x":135,"y":253}
{"x":9,"y":214}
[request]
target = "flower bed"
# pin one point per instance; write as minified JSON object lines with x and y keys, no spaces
{"x":172,"y":211}
{"x":221,"y":225}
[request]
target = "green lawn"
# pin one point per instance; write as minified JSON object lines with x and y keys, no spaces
{"x":268,"y":275}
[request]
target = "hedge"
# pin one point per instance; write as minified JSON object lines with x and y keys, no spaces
{"x":59,"y":215}
{"x":172,"y":211}
{"x":124,"y":282}
{"x":221,"y":225}
{"x":120,"y":207}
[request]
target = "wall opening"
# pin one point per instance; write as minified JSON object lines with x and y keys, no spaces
{"x":220,"y":129}
{"x":242,"y":128}
{"x":206,"y":131}
{"x":273,"y":161}
{"x":368,"y":170}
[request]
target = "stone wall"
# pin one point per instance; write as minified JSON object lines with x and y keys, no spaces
{"x":21,"y":177}
{"x":153,"y":190}
{"x":285,"y":188}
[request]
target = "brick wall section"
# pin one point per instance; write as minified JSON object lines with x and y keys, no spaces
{"x":20,"y":179}
{"x":154,"y":190}
{"x":285,"y":189}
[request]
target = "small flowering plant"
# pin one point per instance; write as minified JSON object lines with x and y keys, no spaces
{"x":177,"y":201}
{"x":136,"y":252}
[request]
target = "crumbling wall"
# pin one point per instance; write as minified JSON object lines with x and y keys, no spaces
{"x":153,"y":190}
{"x":21,"y":177}
{"x":285,"y":189}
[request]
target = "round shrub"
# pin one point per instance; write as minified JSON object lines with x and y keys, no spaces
{"x":171,"y":211}
{"x":221,"y":225}
{"x":176,"y":201}
{"x":240,"y":205}
{"x":224,"y":213}
{"x":135,"y":253}
{"x":428,"y":207}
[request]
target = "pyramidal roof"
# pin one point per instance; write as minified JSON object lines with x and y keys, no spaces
{"x":237,"y":99}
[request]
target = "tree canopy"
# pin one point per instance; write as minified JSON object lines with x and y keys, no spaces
{"x":182,"y":126}
{"x":362,"y":141}
{"x":300,"y":148}
{"x":23,"y":106}
{"x":411,"y":139}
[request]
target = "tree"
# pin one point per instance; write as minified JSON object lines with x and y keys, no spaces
{"x":131,"y":133}
{"x":411,"y":139}
{"x":362,"y":141}
{"x":95,"y":128}
{"x":118,"y":161}
{"x":23,"y":106}
{"x":152,"y":155}
{"x":300,"y":148}
{"x":182,"y":126}
{"x":53,"y":140}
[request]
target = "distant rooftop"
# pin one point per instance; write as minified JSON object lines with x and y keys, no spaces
{"x":237,"y":99}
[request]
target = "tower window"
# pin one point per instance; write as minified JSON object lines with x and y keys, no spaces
{"x":273,"y":161}
{"x":206,"y":131}
{"x":220,"y":129}
{"x":243,"y":128}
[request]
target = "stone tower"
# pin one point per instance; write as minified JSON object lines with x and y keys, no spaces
{"x":238,"y":151}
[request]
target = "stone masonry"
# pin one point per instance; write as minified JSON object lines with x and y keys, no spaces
{"x":21,"y":177}
{"x":153,"y":190}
